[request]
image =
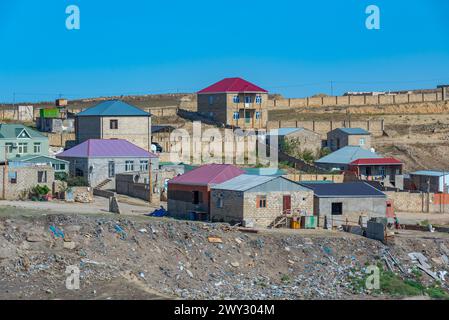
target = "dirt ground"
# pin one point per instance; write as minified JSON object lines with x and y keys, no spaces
{"x":139,"y":257}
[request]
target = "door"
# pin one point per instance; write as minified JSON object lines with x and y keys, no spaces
{"x":111,"y":169}
{"x":247,"y":117}
{"x":287,"y":204}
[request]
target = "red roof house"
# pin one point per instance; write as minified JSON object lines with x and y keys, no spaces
{"x":385,"y":170}
{"x":233,"y":85}
{"x":189,"y":194}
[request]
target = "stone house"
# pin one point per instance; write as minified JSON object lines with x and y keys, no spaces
{"x":258,"y":199}
{"x":20,"y":179}
{"x":235,"y":102}
{"x":299,"y":139}
{"x":100,"y":160}
{"x":341,"y":201}
{"x":161,"y":135}
{"x":114,"y":119}
{"x":342,"y":137}
{"x":189,"y":194}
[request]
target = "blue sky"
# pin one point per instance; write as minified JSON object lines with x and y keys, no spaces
{"x":156,"y":46}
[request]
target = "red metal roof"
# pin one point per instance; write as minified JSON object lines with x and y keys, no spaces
{"x":232,"y":85}
{"x":374,"y":161}
{"x":208,"y":174}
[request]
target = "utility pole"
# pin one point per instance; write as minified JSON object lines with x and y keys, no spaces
{"x":332,"y":88}
{"x":150,"y":182}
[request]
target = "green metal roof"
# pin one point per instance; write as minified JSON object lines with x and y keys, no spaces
{"x":12,"y":131}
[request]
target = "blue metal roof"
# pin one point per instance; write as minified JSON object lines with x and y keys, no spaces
{"x":354,"y":131}
{"x":113,"y":108}
{"x":345,"y":190}
{"x":430,"y":173}
{"x":348,"y":154}
{"x":284,"y":131}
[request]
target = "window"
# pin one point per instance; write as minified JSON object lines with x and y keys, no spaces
{"x":143,"y":165}
{"x":9,"y":146}
{"x":362,"y":141}
{"x":12,"y":176}
{"x":111,"y":169}
{"x":248,"y":99}
{"x":195,"y":197}
{"x":59,"y":166}
{"x":337,"y":208}
{"x":261,"y":201}
{"x":236,"y":99}
{"x":129,"y":165}
{"x":257,"y":115}
{"x":79,"y":172}
{"x":42,"y":176}
{"x":211,"y":100}
{"x":236,"y":116}
{"x":113,"y":124}
{"x":37,"y":147}
{"x":220,"y":203}
{"x":259,"y":99}
{"x":23,"y":148}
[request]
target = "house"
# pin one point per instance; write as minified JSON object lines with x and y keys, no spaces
{"x":342,"y":137}
{"x":341,"y":202}
{"x":17,"y":140}
{"x":387,"y":171}
{"x":59,"y":165}
{"x":258,"y":199}
{"x":430,"y":181}
{"x":190,"y":192}
{"x":342,"y":158}
{"x":235,"y":102}
{"x":20,"y":179}
{"x":296,"y":140}
{"x":55,"y":120}
{"x":100,"y":160}
{"x":114,"y":119}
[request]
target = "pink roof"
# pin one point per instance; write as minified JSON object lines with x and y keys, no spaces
{"x":232,"y":85}
{"x":375,"y":161}
{"x":208,"y":174}
{"x":106,"y":148}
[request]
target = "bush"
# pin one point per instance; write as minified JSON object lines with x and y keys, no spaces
{"x":62,"y":176}
{"x":76,"y":182}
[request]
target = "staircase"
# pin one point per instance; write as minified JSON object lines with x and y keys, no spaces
{"x":278,"y":222}
{"x":102,"y":184}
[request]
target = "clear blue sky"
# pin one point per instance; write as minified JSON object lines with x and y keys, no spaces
{"x":156,"y":46}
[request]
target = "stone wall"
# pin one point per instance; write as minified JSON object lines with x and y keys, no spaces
{"x":419,"y":202}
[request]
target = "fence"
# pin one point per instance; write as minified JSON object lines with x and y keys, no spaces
{"x":329,"y":101}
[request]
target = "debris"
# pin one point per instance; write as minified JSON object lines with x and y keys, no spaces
{"x":242,"y":229}
{"x":120,"y":231}
{"x":235,"y":264}
{"x":214,"y":240}
{"x":161,"y":212}
{"x":57,"y":233}
{"x":69,"y":245}
{"x":143,"y":230}
{"x":238,"y":240}
{"x":442,"y":275}
{"x":189,"y":273}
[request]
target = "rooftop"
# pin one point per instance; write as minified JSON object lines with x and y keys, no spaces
{"x":247,"y":182}
{"x":113,"y":108}
{"x":13,"y":131}
{"x":430,"y":173}
{"x":376,"y":161}
{"x":347,"y":190}
{"x":284,"y":131}
{"x":348,"y":154}
{"x":355,"y":131}
{"x":209,"y":174}
{"x":235,"y":85}
{"x":98,"y":148}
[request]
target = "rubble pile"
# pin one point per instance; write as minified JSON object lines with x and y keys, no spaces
{"x":179,"y":259}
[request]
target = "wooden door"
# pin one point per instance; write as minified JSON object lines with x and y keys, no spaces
{"x":287,"y":204}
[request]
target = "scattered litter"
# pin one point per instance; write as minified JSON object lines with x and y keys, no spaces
{"x":143,"y":230}
{"x":161,"y":212}
{"x":120,"y":231}
{"x":57,"y":233}
{"x":214,"y":240}
{"x":189,"y":273}
{"x":238,"y":240}
{"x":235,"y":264}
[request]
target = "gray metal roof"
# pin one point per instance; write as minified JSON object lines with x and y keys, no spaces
{"x":430,"y":173}
{"x":247,"y":182}
{"x":345,"y":190}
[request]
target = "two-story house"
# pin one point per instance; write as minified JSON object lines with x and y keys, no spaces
{"x":114,"y":119}
{"x":21,"y":144}
{"x":235,"y":102}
